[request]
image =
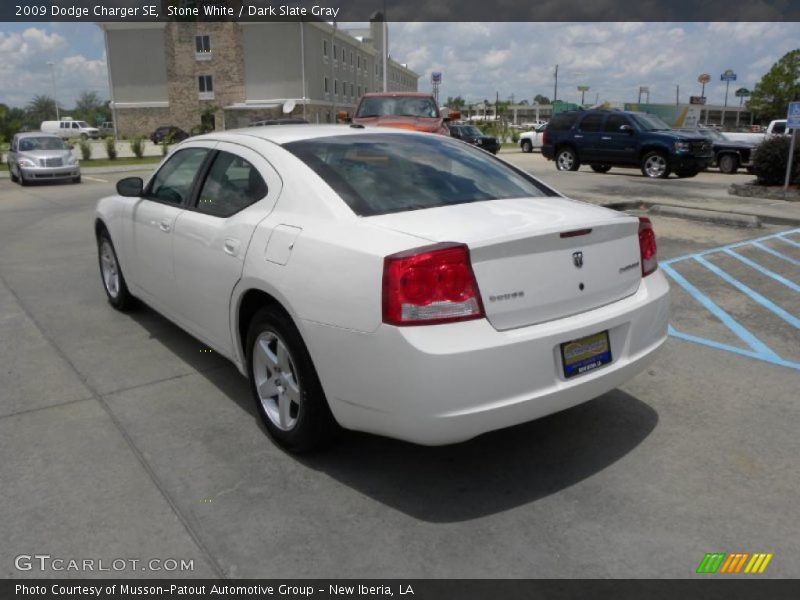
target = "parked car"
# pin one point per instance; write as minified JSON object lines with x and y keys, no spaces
{"x":169,"y":132}
{"x":394,"y":282}
{"x":532,"y":139}
{"x":37,"y":156}
{"x":473,"y":135}
{"x":776,"y":127}
{"x":106,"y":128}
{"x":610,"y":138}
{"x":280,"y":121}
{"x":67,"y":128}
{"x":416,"y":111}
{"x":728,"y":155}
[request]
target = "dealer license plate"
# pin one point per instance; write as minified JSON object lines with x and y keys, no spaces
{"x":585,"y":354}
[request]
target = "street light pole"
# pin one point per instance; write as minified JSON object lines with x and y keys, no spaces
{"x":52,"y":66}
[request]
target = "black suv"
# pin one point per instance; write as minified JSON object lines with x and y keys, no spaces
{"x":473,"y":135}
{"x":612,"y":138}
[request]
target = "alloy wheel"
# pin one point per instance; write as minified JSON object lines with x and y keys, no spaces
{"x":276,"y":381}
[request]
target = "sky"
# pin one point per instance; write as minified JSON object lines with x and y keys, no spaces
{"x":477,"y":60}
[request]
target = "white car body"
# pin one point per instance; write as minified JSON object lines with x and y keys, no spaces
{"x":68,"y":128}
{"x":429,"y":384}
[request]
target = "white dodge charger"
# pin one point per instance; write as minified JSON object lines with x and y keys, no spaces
{"x":399,"y":283}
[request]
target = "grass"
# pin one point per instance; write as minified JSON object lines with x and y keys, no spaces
{"x":104,"y":162}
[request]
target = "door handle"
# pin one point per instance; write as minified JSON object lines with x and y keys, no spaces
{"x":165,"y":226}
{"x":231,"y":246}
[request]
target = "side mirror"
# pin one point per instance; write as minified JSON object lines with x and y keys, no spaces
{"x":626,"y":129}
{"x":454,"y":115}
{"x":130,"y":186}
{"x":343,"y":116}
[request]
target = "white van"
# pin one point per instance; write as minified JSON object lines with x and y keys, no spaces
{"x":67,"y":128}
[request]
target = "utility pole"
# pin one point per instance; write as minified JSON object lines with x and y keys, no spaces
{"x":677,"y":95}
{"x":55,"y":97}
{"x":555,"y":85}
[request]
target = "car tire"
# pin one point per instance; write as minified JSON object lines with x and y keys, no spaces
{"x":687,"y":173}
{"x":728,"y":164}
{"x":84,"y":136}
{"x":22,"y":181}
{"x":111,"y":274}
{"x":567,"y":160}
{"x":655,"y":165}
{"x":14,"y":178}
{"x":284,"y":384}
{"x":527,"y":146}
{"x":76,"y":179}
{"x":601,"y":168}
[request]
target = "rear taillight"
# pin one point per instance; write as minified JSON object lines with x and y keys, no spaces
{"x":647,"y":246}
{"x":433,"y":284}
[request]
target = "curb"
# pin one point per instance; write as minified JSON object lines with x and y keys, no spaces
{"x":647,"y":205}
{"x":710,"y":216}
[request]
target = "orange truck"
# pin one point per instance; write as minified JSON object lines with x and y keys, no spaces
{"x":416,"y":111}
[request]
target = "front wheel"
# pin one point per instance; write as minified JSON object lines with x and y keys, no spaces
{"x":601,"y":168}
{"x":655,"y":165}
{"x":14,"y":178}
{"x":686,"y":173}
{"x":285,"y":385}
{"x":567,"y":160}
{"x":527,"y":146}
{"x":76,"y":179}
{"x":728,"y":164}
{"x":113,"y":282}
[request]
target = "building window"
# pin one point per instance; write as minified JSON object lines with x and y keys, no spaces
{"x":335,"y":52}
{"x":352,"y":96}
{"x":202,"y":47}
{"x":325,"y":85}
{"x":205,"y":87}
{"x":359,"y":91}
{"x":358,"y":62}
{"x":336,"y":87}
{"x":325,"y":48}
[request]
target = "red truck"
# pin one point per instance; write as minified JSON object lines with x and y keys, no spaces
{"x":416,"y":111}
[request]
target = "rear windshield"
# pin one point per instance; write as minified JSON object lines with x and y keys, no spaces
{"x":385,"y":173}
{"x":562,"y":122}
{"x":404,"y":106}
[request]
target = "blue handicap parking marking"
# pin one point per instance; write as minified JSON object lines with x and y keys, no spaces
{"x":755,"y":347}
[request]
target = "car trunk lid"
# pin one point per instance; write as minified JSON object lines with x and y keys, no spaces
{"x":535,"y":259}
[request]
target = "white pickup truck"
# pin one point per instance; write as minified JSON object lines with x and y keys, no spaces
{"x":532,"y":139}
{"x":776,"y":127}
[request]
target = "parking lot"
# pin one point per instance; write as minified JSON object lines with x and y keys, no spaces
{"x":123,"y":437}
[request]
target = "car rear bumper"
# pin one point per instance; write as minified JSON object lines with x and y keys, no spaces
{"x":448,"y":383}
{"x":50,"y":173}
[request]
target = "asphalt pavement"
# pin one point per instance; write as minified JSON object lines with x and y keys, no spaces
{"x":123,"y":437}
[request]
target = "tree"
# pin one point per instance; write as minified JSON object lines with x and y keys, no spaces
{"x":87,"y":106}
{"x":12,"y":120}
{"x":539,"y":99}
{"x":456,"y":103}
{"x":777,"y":88}
{"x":41,"y":108}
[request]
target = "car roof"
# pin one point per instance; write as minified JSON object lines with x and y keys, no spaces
{"x":28,"y":134}
{"x":284,"y":134}
{"x":391,"y":94}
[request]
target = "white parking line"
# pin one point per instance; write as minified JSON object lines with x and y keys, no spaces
{"x":95,"y":179}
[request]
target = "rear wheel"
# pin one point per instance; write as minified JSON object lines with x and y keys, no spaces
{"x":686,"y":173}
{"x":729,"y":164}
{"x":601,"y":168}
{"x":567,"y":160}
{"x":285,"y":385}
{"x":527,"y":146}
{"x":655,"y":165}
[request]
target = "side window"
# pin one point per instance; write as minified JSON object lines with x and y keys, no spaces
{"x":614,"y":122}
{"x":232,"y":184}
{"x":75,"y":125}
{"x":592,"y":122}
{"x":173,"y":182}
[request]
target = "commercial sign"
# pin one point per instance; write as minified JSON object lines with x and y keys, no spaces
{"x":697,"y":99}
{"x":728,"y":75}
{"x":436,"y":77}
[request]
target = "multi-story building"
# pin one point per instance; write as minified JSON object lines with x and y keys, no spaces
{"x":226,"y":74}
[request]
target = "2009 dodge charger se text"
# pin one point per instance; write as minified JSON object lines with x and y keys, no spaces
{"x":399,"y":283}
